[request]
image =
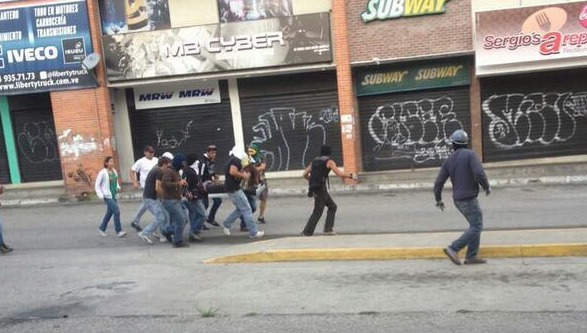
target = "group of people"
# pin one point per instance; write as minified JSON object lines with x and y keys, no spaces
{"x":175,"y":191}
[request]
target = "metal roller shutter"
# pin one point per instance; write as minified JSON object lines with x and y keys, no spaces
{"x":4,"y":171}
{"x":535,"y":115}
{"x":186,"y":129}
{"x":34,"y":134}
{"x":411,"y":130}
{"x":291,"y":127}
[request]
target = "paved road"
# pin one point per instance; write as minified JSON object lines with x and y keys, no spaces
{"x":62,"y":268}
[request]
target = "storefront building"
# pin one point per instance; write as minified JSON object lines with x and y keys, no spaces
{"x":56,"y":119}
{"x":413,"y":77}
{"x":233,"y":72}
{"x":531,"y":63}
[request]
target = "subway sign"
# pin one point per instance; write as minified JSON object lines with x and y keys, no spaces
{"x":392,"y":9}
{"x":418,"y":76}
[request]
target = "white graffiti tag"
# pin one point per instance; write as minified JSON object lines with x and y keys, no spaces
{"x":172,"y":142}
{"x":279,"y":127}
{"x":37,"y":143}
{"x":543,"y":118}
{"x":416,"y":130}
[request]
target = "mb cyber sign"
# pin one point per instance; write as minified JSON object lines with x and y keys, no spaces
{"x":176,"y":94}
{"x":392,"y":9}
{"x":42,"y":46}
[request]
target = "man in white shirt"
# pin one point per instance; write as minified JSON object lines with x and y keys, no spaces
{"x":142,"y":166}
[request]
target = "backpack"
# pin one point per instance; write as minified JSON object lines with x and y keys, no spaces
{"x":318,"y":174}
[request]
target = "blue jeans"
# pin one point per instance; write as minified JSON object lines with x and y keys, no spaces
{"x":142,"y":209}
{"x":252,"y":199}
{"x":197,"y":214}
{"x":112,"y":209}
{"x":243,"y":207}
{"x":154,"y":206}
{"x":215,"y":205}
{"x":472,"y":236}
{"x":1,"y":239}
{"x":176,"y":219}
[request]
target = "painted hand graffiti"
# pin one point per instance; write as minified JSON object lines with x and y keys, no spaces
{"x":279,"y":127}
{"x":543,"y":118}
{"x":415,"y":130}
{"x":37,"y":143}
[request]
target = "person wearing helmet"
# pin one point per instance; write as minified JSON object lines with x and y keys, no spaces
{"x":466,"y":174}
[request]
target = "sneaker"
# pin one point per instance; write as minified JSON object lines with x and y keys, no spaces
{"x":136,"y":226}
{"x":204,"y":227}
{"x":475,"y":261}
{"x":102,"y":232}
{"x":225,"y":231}
{"x":214,"y":223}
{"x":162,"y":239}
{"x":195,"y":237}
{"x":145,"y":238}
{"x":156,"y":234}
{"x":4,"y":249}
{"x":261,"y":220}
{"x":244,"y":229}
{"x":167,"y":236}
{"x":259,"y":234}
{"x":182,"y":244}
{"x":452,"y":255}
{"x":121,"y":234}
{"x":330,"y":233}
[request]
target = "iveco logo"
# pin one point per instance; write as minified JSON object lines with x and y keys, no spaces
{"x":32,"y":54}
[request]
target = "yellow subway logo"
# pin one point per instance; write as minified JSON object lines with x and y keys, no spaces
{"x":391,"y":9}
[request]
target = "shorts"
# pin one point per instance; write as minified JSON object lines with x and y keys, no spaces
{"x":264,"y":193}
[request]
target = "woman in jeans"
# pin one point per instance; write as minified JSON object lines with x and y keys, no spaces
{"x":107,"y":189}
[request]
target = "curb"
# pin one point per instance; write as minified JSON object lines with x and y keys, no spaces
{"x":324,"y":254}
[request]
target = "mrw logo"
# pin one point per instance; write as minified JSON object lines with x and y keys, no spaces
{"x":391,"y":9}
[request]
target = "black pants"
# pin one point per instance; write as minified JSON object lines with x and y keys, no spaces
{"x":321,"y":199}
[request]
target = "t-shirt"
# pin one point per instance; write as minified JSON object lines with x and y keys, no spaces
{"x":113,"y":179}
{"x":150,"y":191}
{"x":142,"y":166}
{"x":257,"y":160}
{"x":232,"y":184}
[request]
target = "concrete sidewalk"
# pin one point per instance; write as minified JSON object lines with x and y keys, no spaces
{"x":494,"y":244}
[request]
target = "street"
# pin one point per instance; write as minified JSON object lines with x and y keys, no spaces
{"x":63,"y":276}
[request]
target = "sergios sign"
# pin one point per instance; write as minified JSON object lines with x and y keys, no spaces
{"x":392,"y":9}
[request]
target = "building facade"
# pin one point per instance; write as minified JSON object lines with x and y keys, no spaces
{"x":383,"y":82}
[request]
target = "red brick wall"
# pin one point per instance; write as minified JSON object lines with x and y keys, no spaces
{"x":351,"y":142}
{"x":83,"y":123}
{"x":410,"y":36}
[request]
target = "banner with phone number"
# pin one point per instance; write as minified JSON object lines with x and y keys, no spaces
{"x":42,"y":46}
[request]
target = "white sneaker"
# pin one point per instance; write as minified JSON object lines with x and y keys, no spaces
{"x":103,"y":233}
{"x":121,"y":234}
{"x":226,"y":231}
{"x":259,"y":234}
{"x":145,"y":238}
{"x":195,"y":237}
{"x":156,"y":234}
{"x":162,"y":239}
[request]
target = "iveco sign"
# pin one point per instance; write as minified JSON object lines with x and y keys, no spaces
{"x":176,"y":94}
{"x":391,"y":9}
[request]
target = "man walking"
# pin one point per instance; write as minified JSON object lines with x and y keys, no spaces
{"x":150,"y":197}
{"x":206,"y":169}
{"x":4,"y":249}
{"x":142,"y":166}
{"x":466,"y":174}
{"x":171,"y":191}
{"x":258,"y":160}
{"x":317,"y":175}
{"x":234,"y":174}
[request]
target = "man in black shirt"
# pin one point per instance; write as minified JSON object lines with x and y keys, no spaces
{"x":206,"y":169}
{"x":151,"y":201}
{"x":234,"y":175}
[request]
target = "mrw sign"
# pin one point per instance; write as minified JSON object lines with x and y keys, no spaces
{"x":391,"y":9}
